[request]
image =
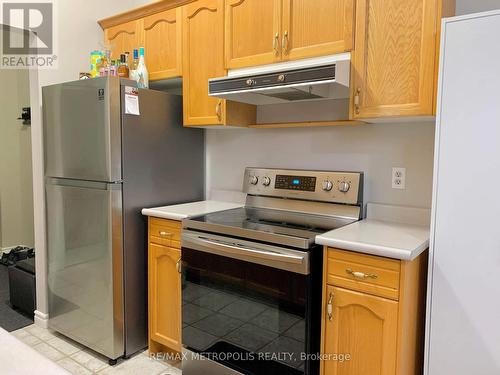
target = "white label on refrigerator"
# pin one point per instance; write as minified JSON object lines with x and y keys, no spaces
{"x":132,"y":101}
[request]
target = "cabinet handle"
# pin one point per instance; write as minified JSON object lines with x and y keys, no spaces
{"x":361,"y":275}
{"x":178,"y":265}
{"x":329,"y":306}
{"x":356,"y":100}
{"x":285,"y":42}
{"x":218,"y":110}
{"x":165,"y":234}
{"x":276,"y":41}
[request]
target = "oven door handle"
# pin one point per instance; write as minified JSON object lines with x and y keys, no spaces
{"x":290,"y":262}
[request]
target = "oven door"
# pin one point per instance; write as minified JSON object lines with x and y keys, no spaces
{"x":246,"y":305}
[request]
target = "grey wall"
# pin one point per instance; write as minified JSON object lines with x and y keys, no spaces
{"x":373,"y":149}
{"x":473,"y":6}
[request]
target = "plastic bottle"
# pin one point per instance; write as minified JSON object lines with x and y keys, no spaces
{"x":142,"y":71}
{"x":133,"y":66}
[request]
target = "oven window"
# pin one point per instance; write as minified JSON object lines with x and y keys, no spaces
{"x":246,"y":316}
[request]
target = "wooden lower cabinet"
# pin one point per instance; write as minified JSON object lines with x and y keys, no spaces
{"x":363,"y":327}
{"x":164,"y":289}
{"x":366,"y":329}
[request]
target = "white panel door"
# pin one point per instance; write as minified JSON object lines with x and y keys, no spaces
{"x":464,"y":335}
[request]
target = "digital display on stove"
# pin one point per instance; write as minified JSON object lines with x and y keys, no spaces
{"x":300,"y":183}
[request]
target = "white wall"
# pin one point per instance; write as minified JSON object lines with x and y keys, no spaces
{"x":16,"y":179}
{"x":373,"y":149}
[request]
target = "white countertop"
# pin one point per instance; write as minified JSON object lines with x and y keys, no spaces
{"x":387,"y":236}
{"x":183,"y":211}
{"x":383,"y":238}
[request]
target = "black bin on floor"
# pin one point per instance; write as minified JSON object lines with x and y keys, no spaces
{"x":22,"y":286}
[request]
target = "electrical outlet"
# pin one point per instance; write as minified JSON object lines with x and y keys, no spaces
{"x":399,"y":178}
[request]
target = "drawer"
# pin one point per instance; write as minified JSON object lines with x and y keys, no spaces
{"x":365,"y":273}
{"x":165,"y":232}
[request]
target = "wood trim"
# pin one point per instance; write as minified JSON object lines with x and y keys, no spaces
{"x":411,"y":316}
{"x":445,"y":8}
{"x":324,"y":286}
{"x":306,"y":124}
{"x":141,"y":12}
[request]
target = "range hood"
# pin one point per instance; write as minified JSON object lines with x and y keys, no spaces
{"x":298,"y":81}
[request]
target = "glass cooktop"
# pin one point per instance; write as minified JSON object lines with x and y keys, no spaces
{"x":266,"y":225}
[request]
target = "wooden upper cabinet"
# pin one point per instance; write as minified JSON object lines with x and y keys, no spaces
{"x":163,"y":42}
{"x":363,"y":326}
{"x":252,"y":32}
{"x":203,"y":58}
{"x":394,"y":58}
{"x":124,"y":38}
{"x":316,"y":28}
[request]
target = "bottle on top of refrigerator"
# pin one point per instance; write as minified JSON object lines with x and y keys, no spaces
{"x":142,"y":71}
{"x":133,"y":66}
{"x":113,"y":68}
{"x":123,"y":68}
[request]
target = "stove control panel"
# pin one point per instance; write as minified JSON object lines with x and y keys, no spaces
{"x":335,"y":187}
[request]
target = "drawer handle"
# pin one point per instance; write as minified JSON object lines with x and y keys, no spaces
{"x":276,"y":41}
{"x":284,"y":44}
{"x":361,"y":275}
{"x":165,"y":234}
{"x":178,"y":265}
{"x":356,"y":101}
{"x":329,"y":306}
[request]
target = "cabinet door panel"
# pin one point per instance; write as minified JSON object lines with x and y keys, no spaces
{"x":394,"y":58}
{"x":163,"y":40}
{"x":203,"y":58}
{"x":365,"y":327}
{"x":124,"y":38}
{"x":316,"y":28}
{"x":164,"y":296}
{"x":252,"y":32}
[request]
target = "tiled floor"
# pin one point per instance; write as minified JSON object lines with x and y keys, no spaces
{"x":81,"y":361}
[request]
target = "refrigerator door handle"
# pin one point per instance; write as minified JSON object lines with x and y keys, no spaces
{"x":97,"y":185}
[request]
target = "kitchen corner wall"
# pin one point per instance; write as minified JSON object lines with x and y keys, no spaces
{"x":373,"y":149}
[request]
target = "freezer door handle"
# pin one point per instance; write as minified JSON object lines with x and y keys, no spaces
{"x":96,"y":185}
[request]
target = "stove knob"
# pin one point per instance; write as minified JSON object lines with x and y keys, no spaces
{"x":254,"y":180}
{"x":250,"y":82}
{"x":327,"y":185}
{"x":281,"y":78}
{"x":344,"y":187}
{"x":267,"y":181}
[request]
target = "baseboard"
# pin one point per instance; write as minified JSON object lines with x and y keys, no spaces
{"x":41,"y":319}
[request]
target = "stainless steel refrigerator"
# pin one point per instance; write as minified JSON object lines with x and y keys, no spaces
{"x":102,"y":166}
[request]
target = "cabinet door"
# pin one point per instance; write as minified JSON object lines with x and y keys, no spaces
{"x":165,"y":296}
{"x":203,"y":58}
{"x":363,"y":326}
{"x":124,"y":38}
{"x":163,"y":40}
{"x":316,"y":28}
{"x":394,"y":58}
{"x":252,"y":32}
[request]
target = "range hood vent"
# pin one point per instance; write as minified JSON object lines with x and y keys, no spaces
{"x":292,"y":83}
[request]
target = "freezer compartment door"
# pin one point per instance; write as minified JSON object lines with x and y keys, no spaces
{"x":82,"y":130}
{"x":85,"y":263}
